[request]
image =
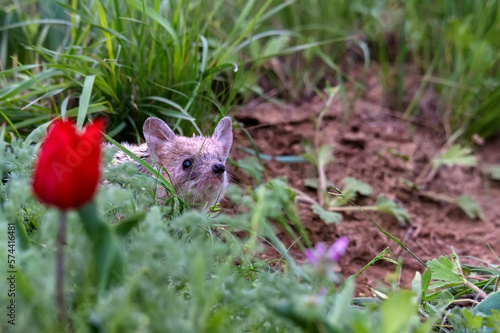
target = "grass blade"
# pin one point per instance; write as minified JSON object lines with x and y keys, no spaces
{"x":84,"y":100}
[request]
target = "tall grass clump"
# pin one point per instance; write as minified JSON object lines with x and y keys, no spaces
{"x":309,"y":51}
{"x":137,"y":58}
{"x":174,"y":59}
{"x":190,"y":60}
{"x":457,"y":43}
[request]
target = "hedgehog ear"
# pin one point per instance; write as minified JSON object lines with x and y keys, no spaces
{"x":156,"y":133}
{"x":224,"y":134}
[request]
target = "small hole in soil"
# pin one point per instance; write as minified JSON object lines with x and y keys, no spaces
{"x":249,"y":122}
{"x":354,"y":142}
{"x":355,"y":129}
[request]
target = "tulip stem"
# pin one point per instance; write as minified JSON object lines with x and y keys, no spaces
{"x":61,"y":241}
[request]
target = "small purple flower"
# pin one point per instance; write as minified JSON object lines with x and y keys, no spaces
{"x":321,"y":253}
{"x":314,"y":256}
{"x":337,"y":250}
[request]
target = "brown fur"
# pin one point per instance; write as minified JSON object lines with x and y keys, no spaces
{"x":199,"y":184}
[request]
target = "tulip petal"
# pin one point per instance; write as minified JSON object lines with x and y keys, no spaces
{"x":67,"y":170}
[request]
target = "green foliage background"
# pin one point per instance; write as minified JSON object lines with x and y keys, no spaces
{"x":192,"y":61}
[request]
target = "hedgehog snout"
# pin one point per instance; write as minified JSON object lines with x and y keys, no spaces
{"x":218,"y":168}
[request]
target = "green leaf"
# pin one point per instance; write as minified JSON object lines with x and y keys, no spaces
{"x":416,"y":285}
{"x":445,"y":273}
{"x":493,"y":172}
{"x":3,"y":145}
{"x":468,"y":321}
{"x":15,"y":89}
{"x":102,"y":84}
{"x":325,"y":155}
{"x":24,"y":285}
{"x":399,"y":312}
{"x":455,"y":155}
{"x":93,"y":108}
{"x":493,"y":320}
{"x":274,"y":46}
{"x":420,"y":284}
{"x":18,"y":69}
{"x":107,"y":261}
{"x":252,"y":167}
{"x":37,"y":134}
{"x":426,"y":280}
{"x":124,"y":226}
{"x":326,"y":216}
{"x":390,"y":207}
{"x":353,"y":187}
{"x":107,"y":35}
{"x":220,"y":68}
{"x":84,"y":100}
{"x":22,"y":236}
{"x":492,"y":302}
{"x":150,"y":12}
{"x":357,"y":186}
{"x":311,"y":182}
{"x":309,"y":154}
{"x":470,"y":207}
{"x":343,"y":302}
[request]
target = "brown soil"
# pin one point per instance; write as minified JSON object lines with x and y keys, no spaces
{"x":364,"y":147}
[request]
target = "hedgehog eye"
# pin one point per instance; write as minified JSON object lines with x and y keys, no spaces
{"x":186,"y":164}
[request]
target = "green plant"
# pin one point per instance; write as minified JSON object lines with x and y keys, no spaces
{"x":464,"y":295}
{"x":454,"y":155}
{"x":327,"y":207}
{"x":459,"y":39}
{"x":190,"y":272}
{"x":136,"y":59}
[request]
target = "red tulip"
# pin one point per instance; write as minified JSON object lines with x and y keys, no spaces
{"x":67,"y":171}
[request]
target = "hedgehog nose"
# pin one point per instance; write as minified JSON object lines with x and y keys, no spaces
{"x":218,"y":168}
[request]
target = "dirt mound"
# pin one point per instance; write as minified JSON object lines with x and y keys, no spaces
{"x":377,"y":147}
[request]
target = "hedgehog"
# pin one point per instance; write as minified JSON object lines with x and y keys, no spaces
{"x":195,"y":166}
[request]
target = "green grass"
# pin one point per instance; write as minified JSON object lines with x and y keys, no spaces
{"x":461,"y":39}
{"x":155,"y":58}
{"x":190,"y":272}
{"x":146,"y":59}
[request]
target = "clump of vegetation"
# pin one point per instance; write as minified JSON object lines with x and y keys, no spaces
{"x":189,"y":272}
{"x":181,"y":59}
